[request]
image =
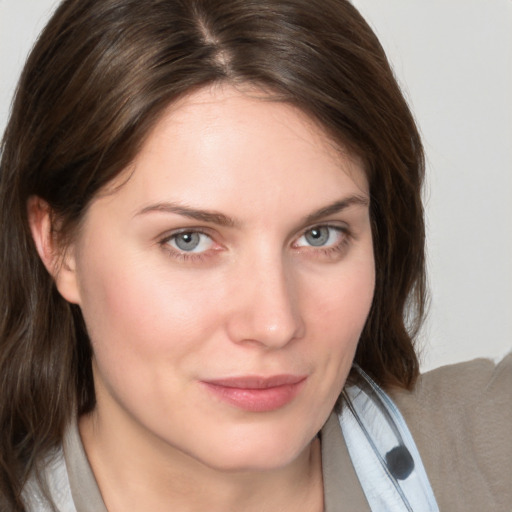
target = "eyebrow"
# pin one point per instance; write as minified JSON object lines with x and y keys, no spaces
{"x":214,"y":217}
{"x":192,"y":213}
{"x":337,"y":207}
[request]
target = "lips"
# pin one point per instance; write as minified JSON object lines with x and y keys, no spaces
{"x":255,"y":393}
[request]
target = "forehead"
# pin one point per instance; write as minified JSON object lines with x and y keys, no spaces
{"x":225,"y":143}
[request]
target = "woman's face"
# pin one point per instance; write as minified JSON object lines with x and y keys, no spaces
{"x":225,"y":282}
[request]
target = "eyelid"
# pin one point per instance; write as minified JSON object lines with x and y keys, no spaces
{"x":188,"y":229}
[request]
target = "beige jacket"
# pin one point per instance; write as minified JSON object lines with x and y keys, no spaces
{"x":460,"y":417}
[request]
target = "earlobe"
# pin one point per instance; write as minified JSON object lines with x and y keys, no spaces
{"x":59,"y":262}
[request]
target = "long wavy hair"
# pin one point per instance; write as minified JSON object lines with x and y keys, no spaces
{"x":98,"y":79}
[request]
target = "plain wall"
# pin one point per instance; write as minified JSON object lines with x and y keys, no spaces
{"x":453,"y":59}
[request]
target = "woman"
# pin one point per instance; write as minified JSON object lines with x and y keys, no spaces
{"x":212,"y":234}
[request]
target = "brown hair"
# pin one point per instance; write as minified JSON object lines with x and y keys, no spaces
{"x":99,"y":77}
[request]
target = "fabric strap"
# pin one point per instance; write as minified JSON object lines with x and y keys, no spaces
{"x":382,"y":450}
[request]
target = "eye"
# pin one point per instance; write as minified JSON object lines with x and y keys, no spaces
{"x":190,"y":241}
{"x":320,"y":236}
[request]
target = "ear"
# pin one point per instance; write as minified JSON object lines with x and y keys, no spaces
{"x":59,"y":262}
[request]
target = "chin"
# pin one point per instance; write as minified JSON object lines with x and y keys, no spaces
{"x":250,"y":462}
{"x":264,"y":452}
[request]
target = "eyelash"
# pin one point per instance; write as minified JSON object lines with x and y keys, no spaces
{"x":329,"y":251}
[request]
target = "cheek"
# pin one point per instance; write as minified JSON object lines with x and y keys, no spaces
{"x":135,"y":306}
{"x":338,"y":311}
{"x":144,"y":330}
{"x":343,"y":301}
{"x":336,"y":315}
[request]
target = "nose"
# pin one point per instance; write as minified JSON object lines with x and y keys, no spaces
{"x":265,"y":305}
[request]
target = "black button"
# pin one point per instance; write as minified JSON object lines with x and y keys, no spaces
{"x":400,"y":462}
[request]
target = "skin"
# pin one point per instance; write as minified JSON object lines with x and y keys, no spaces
{"x":255,"y":297}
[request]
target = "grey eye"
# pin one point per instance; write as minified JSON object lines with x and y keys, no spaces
{"x":190,"y":242}
{"x":318,"y":236}
{"x":187,"y":241}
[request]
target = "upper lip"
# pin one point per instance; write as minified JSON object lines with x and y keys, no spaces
{"x":257,"y":382}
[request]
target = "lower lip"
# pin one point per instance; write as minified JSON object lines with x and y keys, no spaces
{"x":256,"y":400}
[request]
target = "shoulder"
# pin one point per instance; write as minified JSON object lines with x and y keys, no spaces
{"x":459,"y":385}
{"x":461,"y":419}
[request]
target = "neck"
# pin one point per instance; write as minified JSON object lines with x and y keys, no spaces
{"x":136,"y":473}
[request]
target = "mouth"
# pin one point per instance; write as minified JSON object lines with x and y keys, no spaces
{"x":257,"y":394}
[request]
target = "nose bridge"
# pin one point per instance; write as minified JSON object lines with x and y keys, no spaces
{"x":267,"y":307}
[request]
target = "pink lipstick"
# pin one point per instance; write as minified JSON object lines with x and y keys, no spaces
{"x":257,"y":394}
